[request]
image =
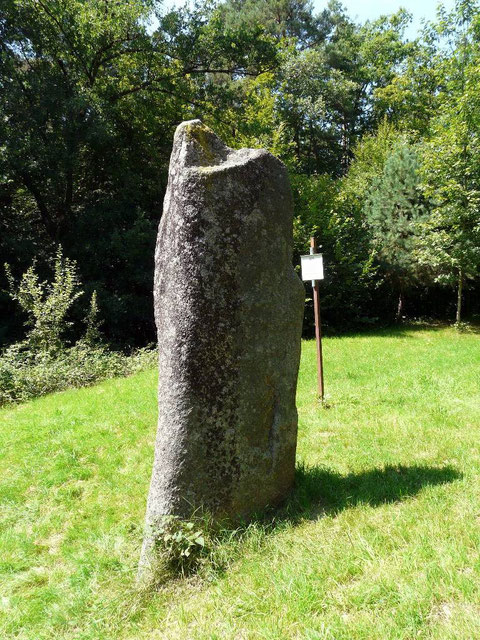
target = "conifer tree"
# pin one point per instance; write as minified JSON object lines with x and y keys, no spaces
{"x":393,"y":211}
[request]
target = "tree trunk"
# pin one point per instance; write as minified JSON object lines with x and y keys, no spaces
{"x":48,"y":220}
{"x":401,"y":303}
{"x":458,"y":317}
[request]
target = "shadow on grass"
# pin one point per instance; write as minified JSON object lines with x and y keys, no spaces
{"x":321,"y":491}
{"x":318,"y":492}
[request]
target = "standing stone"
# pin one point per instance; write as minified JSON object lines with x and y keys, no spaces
{"x":229,"y":310}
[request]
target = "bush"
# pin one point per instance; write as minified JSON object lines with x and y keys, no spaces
{"x":47,"y":303}
{"x":42,"y":363}
{"x":25,"y":375}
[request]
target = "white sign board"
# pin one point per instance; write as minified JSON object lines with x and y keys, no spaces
{"x":312,"y":266}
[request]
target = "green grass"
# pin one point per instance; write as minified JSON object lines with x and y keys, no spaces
{"x":381,"y":539}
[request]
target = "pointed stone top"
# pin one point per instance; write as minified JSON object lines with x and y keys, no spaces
{"x":200,"y":145}
{"x":196,"y":145}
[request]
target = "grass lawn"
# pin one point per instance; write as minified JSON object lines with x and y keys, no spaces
{"x":383,"y":543}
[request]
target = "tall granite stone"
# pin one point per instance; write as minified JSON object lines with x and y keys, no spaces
{"x":229,"y":310}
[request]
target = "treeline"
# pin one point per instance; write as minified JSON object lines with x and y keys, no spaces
{"x":380,"y":135}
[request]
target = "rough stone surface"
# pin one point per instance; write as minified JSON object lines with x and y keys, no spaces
{"x":229,"y":310}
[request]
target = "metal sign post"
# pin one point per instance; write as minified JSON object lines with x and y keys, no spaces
{"x":312,"y":269}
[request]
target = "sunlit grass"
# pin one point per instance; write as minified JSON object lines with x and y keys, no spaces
{"x":381,"y":539}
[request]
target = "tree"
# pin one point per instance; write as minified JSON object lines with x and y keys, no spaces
{"x":451,"y":235}
{"x":91,"y":93}
{"x":327,"y":93}
{"x":393,"y":212}
{"x":282,"y":19}
{"x":89,"y":100}
{"x":451,"y":164}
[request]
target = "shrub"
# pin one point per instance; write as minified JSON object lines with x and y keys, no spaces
{"x":47,"y":303}
{"x":42,"y":363}
{"x":25,"y":375}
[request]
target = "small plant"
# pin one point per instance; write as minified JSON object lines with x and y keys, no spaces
{"x":181,"y":544}
{"x":46,"y":304}
{"x":463,"y":327}
{"x":93,"y":335}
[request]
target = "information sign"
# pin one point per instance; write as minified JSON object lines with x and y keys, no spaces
{"x":312,"y":266}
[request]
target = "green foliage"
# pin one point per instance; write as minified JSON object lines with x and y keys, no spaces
{"x":42,"y":363}
{"x":280,"y":18}
{"x":452,"y":234}
{"x":47,"y":304}
{"x":333,"y":211}
{"x":451,"y":168}
{"x":92,"y":333}
{"x":24,"y":376}
{"x":180,"y":544}
{"x":89,"y":101}
{"x":369,"y":157}
{"x":326,"y":92}
{"x":394,"y":211}
{"x":91,"y":92}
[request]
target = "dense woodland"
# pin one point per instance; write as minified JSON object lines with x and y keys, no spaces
{"x":380,"y":133}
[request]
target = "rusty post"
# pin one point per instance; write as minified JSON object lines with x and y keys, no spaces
{"x":318,"y":327}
